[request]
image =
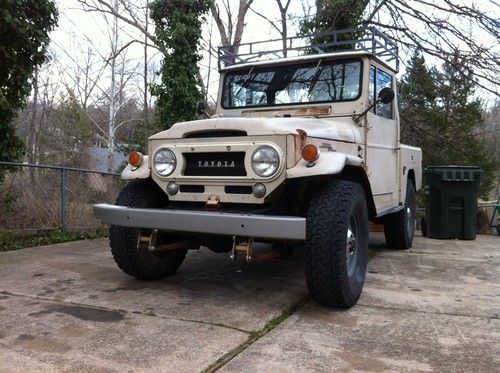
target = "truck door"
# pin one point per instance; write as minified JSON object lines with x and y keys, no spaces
{"x":382,"y":140}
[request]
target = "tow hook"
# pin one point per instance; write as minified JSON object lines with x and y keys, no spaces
{"x":213,"y":203}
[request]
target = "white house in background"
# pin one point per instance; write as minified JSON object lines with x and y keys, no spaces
{"x":100,"y":159}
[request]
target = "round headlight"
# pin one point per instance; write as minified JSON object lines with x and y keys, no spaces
{"x":164,"y":162}
{"x":265,"y":161}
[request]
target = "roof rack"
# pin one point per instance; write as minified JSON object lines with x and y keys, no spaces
{"x":367,"y":39}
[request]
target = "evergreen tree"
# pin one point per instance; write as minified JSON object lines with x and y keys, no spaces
{"x":178,"y":28}
{"x":334,"y":15}
{"x":24,"y":29}
{"x":459,"y":118}
{"x":439,"y":114}
{"x":417,"y":96}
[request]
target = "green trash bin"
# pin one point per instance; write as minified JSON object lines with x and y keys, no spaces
{"x":451,"y":205}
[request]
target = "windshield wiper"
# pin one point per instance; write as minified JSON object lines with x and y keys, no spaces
{"x":244,"y":81}
{"x":314,"y":78}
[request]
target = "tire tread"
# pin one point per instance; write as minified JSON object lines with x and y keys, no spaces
{"x":395,"y":224}
{"x":123,"y":240}
{"x":328,"y":215}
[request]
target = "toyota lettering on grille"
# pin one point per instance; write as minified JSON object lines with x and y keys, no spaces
{"x":218,"y":164}
{"x":215,"y":164}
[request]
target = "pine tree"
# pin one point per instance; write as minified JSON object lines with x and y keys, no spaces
{"x":439,"y":114}
{"x":460,"y":117}
{"x":417,"y":97}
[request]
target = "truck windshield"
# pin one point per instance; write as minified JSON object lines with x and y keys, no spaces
{"x":320,"y":81}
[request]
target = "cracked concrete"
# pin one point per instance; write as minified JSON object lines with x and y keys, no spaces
{"x":431,"y":308}
{"x":67,"y":307}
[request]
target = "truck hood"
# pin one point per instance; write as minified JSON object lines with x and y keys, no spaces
{"x":340,"y":129}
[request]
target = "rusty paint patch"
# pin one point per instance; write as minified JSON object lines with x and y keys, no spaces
{"x":299,"y":139}
{"x":313,"y":111}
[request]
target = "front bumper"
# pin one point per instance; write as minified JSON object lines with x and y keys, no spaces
{"x":220,"y":223}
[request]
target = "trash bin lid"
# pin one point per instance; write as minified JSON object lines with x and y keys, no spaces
{"x":454,"y":173}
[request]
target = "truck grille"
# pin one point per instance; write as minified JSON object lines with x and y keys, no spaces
{"x":215,"y":164}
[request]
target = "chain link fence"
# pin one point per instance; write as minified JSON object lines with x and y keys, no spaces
{"x":42,"y":197}
{"x":36,"y":197}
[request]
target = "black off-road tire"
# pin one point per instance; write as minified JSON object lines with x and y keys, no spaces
{"x":337,"y":209}
{"x":399,"y":227}
{"x":141,"y":263}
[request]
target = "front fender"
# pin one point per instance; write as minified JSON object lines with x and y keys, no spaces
{"x":141,"y":172}
{"x":328,"y":163}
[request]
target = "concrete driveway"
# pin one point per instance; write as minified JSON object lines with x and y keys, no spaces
{"x":67,"y":307}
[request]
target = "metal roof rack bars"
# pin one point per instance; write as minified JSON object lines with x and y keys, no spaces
{"x":367,"y":39}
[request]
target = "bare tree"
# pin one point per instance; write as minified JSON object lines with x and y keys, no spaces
{"x":128,"y":14}
{"x":438,"y":28}
{"x":230,"y":30}
{"x":283,"y":30}
{"x":32,"y":127}
{"x":146,"y":42}
{"x":112,"y":90}
{"x":118,"y":15}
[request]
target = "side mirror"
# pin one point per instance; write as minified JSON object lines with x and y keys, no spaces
{"x":201,"y":108}
{"x":386,"y":95}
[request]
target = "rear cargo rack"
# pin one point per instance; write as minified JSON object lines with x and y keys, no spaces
{"x":367,"y":39}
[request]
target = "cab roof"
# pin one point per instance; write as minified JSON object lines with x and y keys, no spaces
{"x":306,"y":58}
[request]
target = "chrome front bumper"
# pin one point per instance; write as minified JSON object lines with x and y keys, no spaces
{"x":232,"y":224}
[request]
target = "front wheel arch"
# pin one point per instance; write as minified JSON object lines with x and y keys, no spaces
{"x":358,"y":175}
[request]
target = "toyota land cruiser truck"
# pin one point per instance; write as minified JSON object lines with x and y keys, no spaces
{"x":304,"y":149}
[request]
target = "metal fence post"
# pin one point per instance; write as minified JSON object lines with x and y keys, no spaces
{"x":63,"y":199}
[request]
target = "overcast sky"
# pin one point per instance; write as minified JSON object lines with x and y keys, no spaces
{"x":80,"y":31}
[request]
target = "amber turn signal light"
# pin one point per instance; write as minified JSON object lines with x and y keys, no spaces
{"x":135,"y":159}
{"x":310,"y":153}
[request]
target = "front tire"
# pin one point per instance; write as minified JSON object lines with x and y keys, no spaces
{"x":399,"y":228}
{"x":140,"y":262}
{"x":336,"y":249}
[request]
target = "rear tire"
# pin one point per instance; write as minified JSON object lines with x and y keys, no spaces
{"x":336,"y":248}
{"x":142,"y":263}
{"x":399,"y":228}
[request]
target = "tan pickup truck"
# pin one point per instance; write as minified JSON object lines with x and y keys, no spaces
{"x":303,"y":152}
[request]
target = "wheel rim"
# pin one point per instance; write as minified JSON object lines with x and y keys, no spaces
{"x":410,"y":220}
{"x":352,"y":239}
